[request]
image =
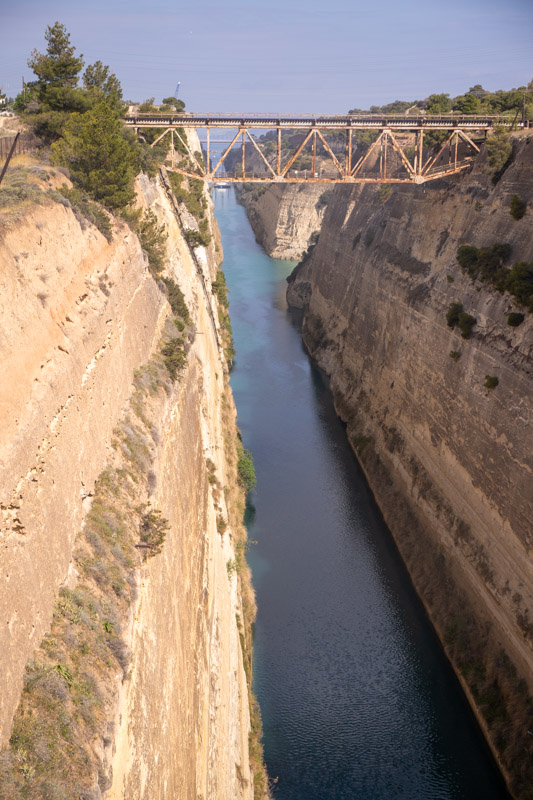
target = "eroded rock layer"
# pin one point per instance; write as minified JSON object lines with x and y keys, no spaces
{"x":284,"y":218}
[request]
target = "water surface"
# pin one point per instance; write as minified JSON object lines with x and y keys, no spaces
{"x":358,"y":699}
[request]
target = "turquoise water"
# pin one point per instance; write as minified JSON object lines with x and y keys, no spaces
{"x":358,"y":699}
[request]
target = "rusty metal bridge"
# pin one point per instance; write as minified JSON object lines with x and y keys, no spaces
{"x":397,"y":151}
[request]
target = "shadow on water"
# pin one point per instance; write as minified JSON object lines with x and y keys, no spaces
{"x":358,"y":699}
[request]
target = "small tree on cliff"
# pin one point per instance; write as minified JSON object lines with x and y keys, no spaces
{"x":103,"y":85}
{"x":56,"y":88}
{"x":59,"y":67}
{"x":100,"y":158}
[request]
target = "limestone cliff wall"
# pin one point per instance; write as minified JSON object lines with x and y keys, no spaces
{"x":81,"y":328}
{"x":450,"y":461}
{"x":183,"y":720}
{"x":284,"y":218}
{"x":78,"y":316}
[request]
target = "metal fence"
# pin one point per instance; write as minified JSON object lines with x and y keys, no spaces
{"x":25,"y":144}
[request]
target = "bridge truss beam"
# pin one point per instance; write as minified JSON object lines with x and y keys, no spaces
{"x":398,"y":154}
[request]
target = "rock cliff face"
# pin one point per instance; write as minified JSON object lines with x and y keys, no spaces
{"x":78,"y":316}
{"x":449,"y":460}
{"x":284,"y":218}
{"x":80,"y":319}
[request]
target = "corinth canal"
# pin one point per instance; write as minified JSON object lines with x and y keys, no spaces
{"x":357,"y":697}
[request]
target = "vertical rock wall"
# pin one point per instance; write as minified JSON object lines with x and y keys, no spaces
{"x":79,"y":317}
{"x":284,"y":218}
{"x":449,"y":460}
{"x":183,"y":722}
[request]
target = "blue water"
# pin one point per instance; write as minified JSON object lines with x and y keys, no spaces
{"x":357,"y":697}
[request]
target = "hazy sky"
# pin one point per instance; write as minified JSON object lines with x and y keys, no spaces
{"x":283,"y":55}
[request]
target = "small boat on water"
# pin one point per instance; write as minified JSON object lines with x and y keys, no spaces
{"x":222,"y":185}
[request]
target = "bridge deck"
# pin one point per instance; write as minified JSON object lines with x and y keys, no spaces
{"x":332,"y":121}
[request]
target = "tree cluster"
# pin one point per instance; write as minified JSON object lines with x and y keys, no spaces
{"x":476,"y":100}
{"x":82,"y":121}
{"x":488,"y":265}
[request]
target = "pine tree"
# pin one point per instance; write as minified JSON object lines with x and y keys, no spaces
{"x":101,"y":160}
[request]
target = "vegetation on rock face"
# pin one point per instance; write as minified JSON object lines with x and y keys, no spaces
{"x":514,"y":319}
{"x":220,"y":290}
{"x":491,"y":381}
{"x":324,"y":199}
{"x":21,"y":187}
{"x":246,"y":469}
{"x":385,"y":191}
{"x":517,"y":207}
{"x":153,"y":529}
{"x":499,"y":153}
{"x":456,"y":316}
{"x":488,"y":265}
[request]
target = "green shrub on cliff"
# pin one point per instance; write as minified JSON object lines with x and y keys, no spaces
{"x":514,"y":319}
{"x":488,"y":264}
{"x":467,"y":257}
{"x":174,"y":356}
{"x":499,"y":153}
{"x":193,"y":197}
{"x":220,"y":289}
{"x":324,"y":199}
{"x":199,"y":238}
{"x":455,"y":316}
{"x":385,"y":191}
{"x":176,"y":299}
{"x":517,"y":207}
{"x":246,"y":470}
{"x":519,"y":283}
{"x":485,"y":263}
{"x":452,"y":315}
{"x":153,"y":238}
{"x":465,"y":323}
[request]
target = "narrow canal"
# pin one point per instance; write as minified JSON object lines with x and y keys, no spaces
{"x":358,"y":700}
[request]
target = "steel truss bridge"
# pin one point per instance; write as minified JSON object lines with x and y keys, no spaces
{"x":398,"y":154}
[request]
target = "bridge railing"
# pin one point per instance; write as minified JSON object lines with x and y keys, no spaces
{"x":398,"y":121}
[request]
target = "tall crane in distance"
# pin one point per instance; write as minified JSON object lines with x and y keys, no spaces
{"x":176,"y":94}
